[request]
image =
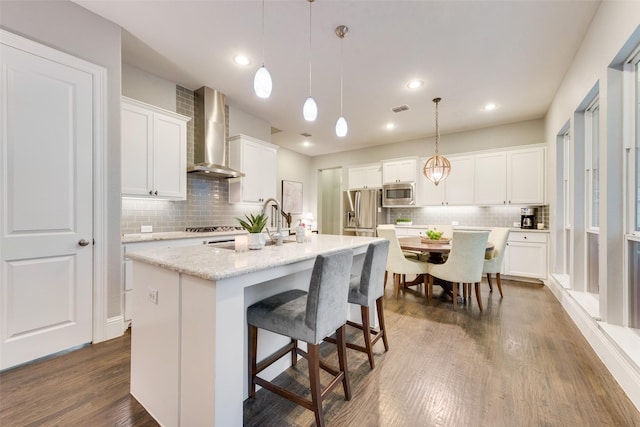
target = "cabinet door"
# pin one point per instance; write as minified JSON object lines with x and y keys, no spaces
{"x":527,"y":260}
{"x":431,"y":194}
{"x":399,"y":171}
{"x":491,"y":179}
{"x":357,"y":178}
{"x":169,"y":157}
{"x":257,"y":160}
{"x":365,"y":177}
{"x":373,"y":177}
{"x":459,"y":185}
{"x":525,"y":170}
{"x":137,"y":129}
{"x":268,"y":187}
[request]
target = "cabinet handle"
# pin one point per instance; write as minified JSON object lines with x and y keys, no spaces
{"x":504,"y":202}
{"x":525,"y":237}
{"x":151,"y":192}
{"x":156,"y":193}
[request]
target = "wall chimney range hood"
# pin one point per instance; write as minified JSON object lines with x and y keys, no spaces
{"x":209,"y":146}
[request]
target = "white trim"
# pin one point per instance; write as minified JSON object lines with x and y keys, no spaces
{"x":626,"y":373}
{"x":100,"y":191}
{"x":115,"y":327}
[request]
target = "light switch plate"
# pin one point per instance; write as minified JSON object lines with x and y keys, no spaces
{"x":146,"y":229}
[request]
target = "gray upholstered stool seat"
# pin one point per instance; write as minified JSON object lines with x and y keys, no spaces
{"x":366,"y":290}
{"x":309,"y":317}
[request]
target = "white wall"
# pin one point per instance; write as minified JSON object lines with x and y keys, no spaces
{"x":614,"y":30}
{"x":612,"y":35}
{"x":146,"y":87}
{"x":67,"y":27}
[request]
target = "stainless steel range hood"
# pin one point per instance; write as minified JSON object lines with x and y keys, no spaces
{"x":209,"y":147}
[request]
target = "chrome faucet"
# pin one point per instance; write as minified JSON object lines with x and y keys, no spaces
{"x":278,"y":220}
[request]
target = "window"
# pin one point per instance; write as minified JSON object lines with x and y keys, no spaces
{"x":593,"y":164}
{"x":592,"y":142}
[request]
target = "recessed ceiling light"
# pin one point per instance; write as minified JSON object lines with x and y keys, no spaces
{"x":389,"y":126}
{"x":490,"y":106}
{"x":306,"y":144}
{"x":415,"y":84}
{"x":241,"y":60}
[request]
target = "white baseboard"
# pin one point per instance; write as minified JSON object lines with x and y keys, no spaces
{"x":626,"y":373}
{"x":115,"y":327}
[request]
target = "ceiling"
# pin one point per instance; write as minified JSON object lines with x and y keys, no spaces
{"x":512,"y":53}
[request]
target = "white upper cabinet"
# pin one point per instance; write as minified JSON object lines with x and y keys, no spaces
{"x":401,"y":170}
{"x":525,"y":170}
{"x":456,"y":189}
{"x":154,"y":152}
{"x":491,"y":178}
{"x":511,"y":177}
{"x":257,"y":160}
{"x":365,"y":176}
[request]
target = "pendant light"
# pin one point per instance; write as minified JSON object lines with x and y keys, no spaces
{"x":341,"y":124}
{"x":437,"y":167}
{"x":262,"y":83}
{"x":310,"y":109}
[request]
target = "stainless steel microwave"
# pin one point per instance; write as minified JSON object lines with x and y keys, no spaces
{"x":399,"y":194}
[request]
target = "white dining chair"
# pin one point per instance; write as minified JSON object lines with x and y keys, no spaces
{"x":493,"y":260}
{"x":464,"y":264}
{"x":397,"y":263}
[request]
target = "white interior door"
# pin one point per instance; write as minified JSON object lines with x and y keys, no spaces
{"x":46,"y":217}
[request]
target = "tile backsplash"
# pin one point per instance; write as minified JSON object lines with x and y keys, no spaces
{"x":206,"y":204}
{"x":490,"y":216}
{"x":207,"y":199}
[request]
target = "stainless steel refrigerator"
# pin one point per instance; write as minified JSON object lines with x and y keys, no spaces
{"x":363,"y":211}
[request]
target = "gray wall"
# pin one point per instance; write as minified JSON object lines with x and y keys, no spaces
{"x":67,"y":27}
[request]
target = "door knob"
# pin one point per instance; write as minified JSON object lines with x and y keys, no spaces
{"x":83,"y":242}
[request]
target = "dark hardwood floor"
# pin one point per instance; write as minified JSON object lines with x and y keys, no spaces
{"x":521,"y":362}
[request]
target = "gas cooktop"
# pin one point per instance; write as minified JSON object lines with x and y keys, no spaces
{"x":213,"y":229}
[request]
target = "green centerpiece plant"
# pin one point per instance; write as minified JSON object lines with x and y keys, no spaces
{"x":254,"y":224}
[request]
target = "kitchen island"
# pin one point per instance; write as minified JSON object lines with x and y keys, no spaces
{"x":189,"y":345}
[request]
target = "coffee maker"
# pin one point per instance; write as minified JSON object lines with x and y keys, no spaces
{"x":528,"y":218}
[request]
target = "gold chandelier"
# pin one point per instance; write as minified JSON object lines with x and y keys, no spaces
{"x":437,"y":167}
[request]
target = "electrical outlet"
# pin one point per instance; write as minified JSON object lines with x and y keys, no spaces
{"x":454,"y":223}
{"x":153,"y":295}
{"x":146,"y":229}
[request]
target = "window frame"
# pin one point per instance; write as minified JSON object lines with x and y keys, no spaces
{"x":592,"y":128}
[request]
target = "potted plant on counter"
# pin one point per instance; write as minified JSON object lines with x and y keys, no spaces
{"x":254,"y":224}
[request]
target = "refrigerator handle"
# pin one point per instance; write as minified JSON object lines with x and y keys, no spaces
{"x":357,"y":208}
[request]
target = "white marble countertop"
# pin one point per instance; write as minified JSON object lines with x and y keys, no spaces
{"x":173,"y":235}
{"x":214,"y":263}
{"x":475,"y":227}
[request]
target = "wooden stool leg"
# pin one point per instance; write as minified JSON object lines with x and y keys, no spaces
{"x":341,"y":339}
{"x":478,"y":297}
{"x":464,"y":291}
{"x":499,"y":284}
{"x":294,"y":353}
{"x":396,"y":280}
{"x":489,"y":280}
{"x":314,"y":380}
{"x":366,"y":330}
{"x":386,"y":273}
{"x":383,"y":328}
{"x":455,"y":296}
{"x":253,"y":350}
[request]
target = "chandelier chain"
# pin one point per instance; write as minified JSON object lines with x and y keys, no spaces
{"x":263,"y":33}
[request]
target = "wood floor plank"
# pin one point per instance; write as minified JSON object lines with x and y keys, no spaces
{"x":521,"y":362}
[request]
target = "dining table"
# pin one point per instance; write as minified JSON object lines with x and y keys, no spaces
{"x":436,"y":249}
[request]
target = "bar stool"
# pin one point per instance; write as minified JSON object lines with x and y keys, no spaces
{"x":366,"y":290}
{"x":309,"y":317}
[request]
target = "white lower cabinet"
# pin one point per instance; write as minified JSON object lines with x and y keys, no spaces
{"x":127,"y":279}
{"x":526,"y":255}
